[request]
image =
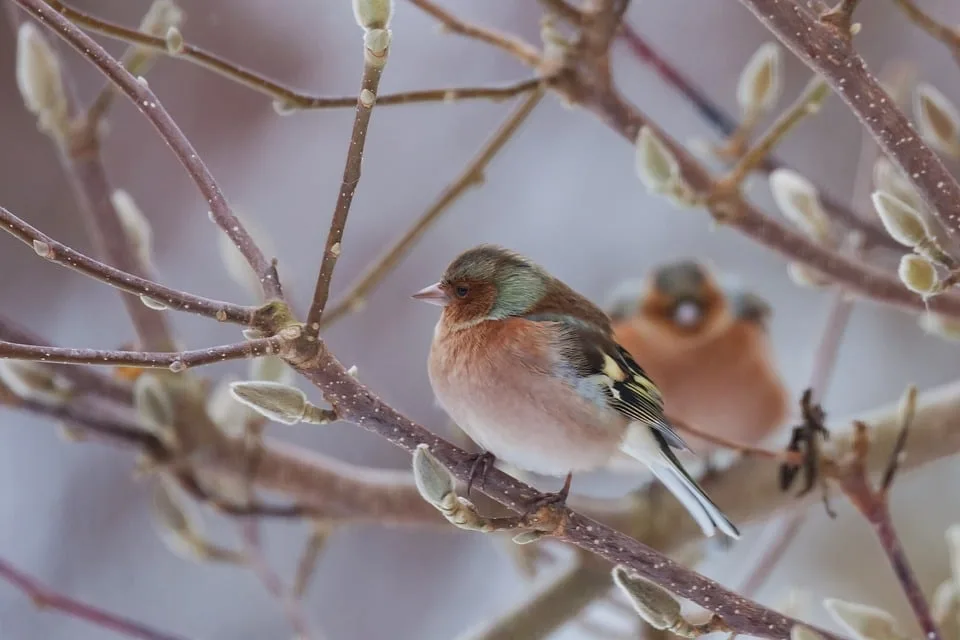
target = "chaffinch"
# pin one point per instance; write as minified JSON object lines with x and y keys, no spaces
{"x":530,"y":370}
{"x":706,"y":345}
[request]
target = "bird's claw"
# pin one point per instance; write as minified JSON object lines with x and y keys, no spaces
{"x":480,"y":467}
{"x":556,"y":500}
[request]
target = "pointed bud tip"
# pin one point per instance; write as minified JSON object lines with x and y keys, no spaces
{"x":434,"y":481}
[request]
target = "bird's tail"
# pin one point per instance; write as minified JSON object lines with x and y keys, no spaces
{"x":649,"y":447}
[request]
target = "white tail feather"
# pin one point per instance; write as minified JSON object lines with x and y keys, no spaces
{"x":640,"y":443}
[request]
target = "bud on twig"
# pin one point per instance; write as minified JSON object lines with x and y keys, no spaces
{"x":901,"y":221}
{"x":376,"y":42}
{"x":655,"y":605}
{"x":35,"y":381}
{"x":656,"y":164}
{"x":797,"y":199}
{"x":278,"y":402}
{"x":887,"y":177}
{"x":761,"y":81}
{"x":373,"y":14}
{"x":863,"y":621}
{"x":174,"y":41}
{"x":155,"y":407}
{"x":135,"y":225}
{"x":937,"y":120}
{"x":161,"y":17}
{"x":804,"y":276}
{"x":802,"y":632}
{"x":41,"y":82}
{"x":918,"y":274}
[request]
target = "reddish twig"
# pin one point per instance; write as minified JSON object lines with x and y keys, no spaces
{"x":852,"y":476}
{"x":173,"y":360}
{"x":44,"y":598}
{"x":787,"y":457}
{"x":54,"y":251}
{"x":148,"y":104}
{"x":949,"y":36}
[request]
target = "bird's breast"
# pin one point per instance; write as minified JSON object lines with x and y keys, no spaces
{"x":497,"y":382}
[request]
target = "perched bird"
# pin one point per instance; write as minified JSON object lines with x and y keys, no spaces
{"x":530,"y":370}
{"x":707,"y":347}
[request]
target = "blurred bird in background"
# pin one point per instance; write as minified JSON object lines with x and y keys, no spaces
{"x":530,"y":370}
{"x":706,"y":346}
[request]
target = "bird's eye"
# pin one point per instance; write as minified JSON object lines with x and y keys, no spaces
{"x":462,"y":291}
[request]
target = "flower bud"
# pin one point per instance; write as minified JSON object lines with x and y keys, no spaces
{"x":36,"y":381}
{"x":278,"y":402}
{"x":655,"y":605}
{"x":918,"y":274}
{"x":797,"y":199}
{"x":135,"y":225}
{"x":376,"y":42}
{"x":937,"y":120}
{"x":761,"y":81}
{"x":40,"y":80}
{"x":863,"y":621}
{"x":434,"y":481}
{"x":656,"y":164}
{"x":901,"y":221}
{"x":373,"y":14}
{"x":887,"y":177}
{"x":160,"y":17}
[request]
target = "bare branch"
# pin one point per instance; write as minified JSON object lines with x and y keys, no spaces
{"x":472,"y":175}
{"x":49,"y":249}
{"x":873,"y":235}
{"x":516,"y":48}
{"x":288,"y":98}
{"x":852,"y":475}
{"x":148,"y":104}
{"x":44,"y":598}
{"x":947,"y":35}
{"x":175,"y":361}
{"x":816,"y":45}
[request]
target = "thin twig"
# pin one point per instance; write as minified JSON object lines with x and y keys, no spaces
{"x":745,"y":449}
{"x":44,"y":598}
{"x":373,"y":64}
{"x":472,"y":175}
{"x":853,"y":478}
{"x":841,"y":17}
{"x":938,"y":30}
{"x":873,"y":235}
{"x":517,"y":48}
{"x":261,"y":84}
{"x":174,"y":360}
{"x":54,"y":251}
{"x":83,"y":379}
{"x":815,"y":44}
{"x":148,"y":104}
{"x":272,"y":582}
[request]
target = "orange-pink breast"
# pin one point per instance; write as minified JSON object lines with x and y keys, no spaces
{"x":497,"y":382}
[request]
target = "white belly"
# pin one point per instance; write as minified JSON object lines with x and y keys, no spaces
{"x":525,"y":417}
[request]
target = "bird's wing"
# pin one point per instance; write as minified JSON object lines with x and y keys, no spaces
{"x":593,"y":355}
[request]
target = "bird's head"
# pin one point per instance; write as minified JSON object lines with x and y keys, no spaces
{"x":680,"y":298}
{"x":486,"y":283}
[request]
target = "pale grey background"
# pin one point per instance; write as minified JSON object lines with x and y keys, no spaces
{"x":564,"y":192}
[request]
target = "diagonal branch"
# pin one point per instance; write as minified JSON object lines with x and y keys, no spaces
{"x":471,"y":175}
{"x":45,"y":598}
{"x":148,"y":104}
{"x":818,"y":46}
{"x":938,"y":30}
{"x":173,"y":360}
{"x":49,"y":249}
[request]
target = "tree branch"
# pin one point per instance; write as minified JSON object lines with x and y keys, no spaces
{"x":517,"y":48}
{"x":374,"y":60}
{"x":48,"y":248}
{"x":472,"y":175}
{"x":173,"y":360}
{"x":288,"y":98}
{"x":44,"y":598}
{"x":148,"y":104}
{"x":947,"y":35}
{"x":873,"y":235}
{"x":817,"y":46}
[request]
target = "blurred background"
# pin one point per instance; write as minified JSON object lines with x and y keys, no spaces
{"x":563,"y":192}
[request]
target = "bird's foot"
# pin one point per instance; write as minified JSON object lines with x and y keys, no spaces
{"x":482,"y":463}
{"x":556,"y":500}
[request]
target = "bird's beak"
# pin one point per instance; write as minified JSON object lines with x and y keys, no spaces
{"x":433,"y":294}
